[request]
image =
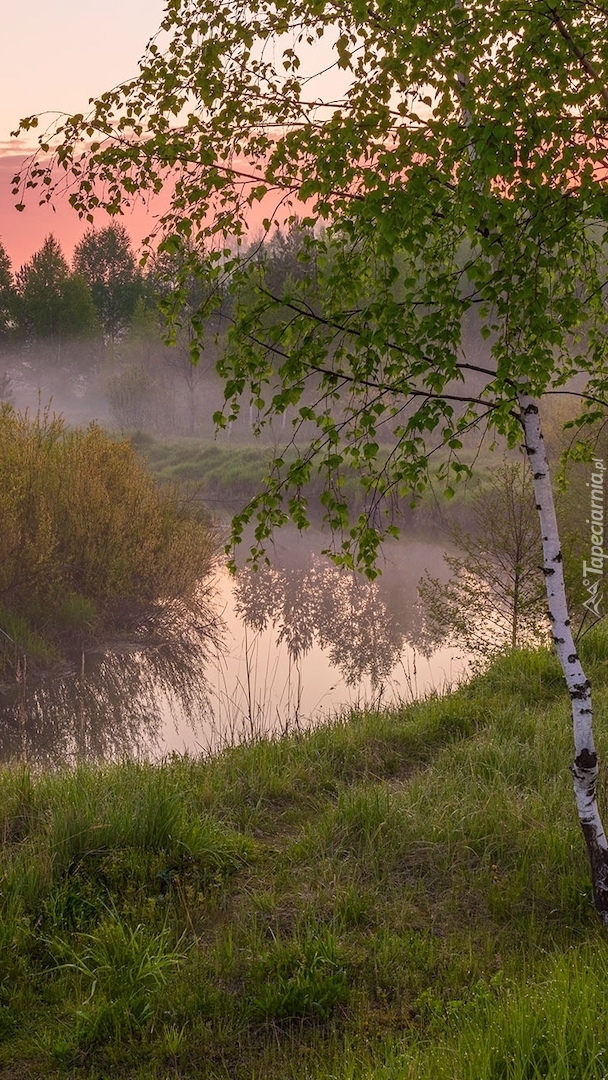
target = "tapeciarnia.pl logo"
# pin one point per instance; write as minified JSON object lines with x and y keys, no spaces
{"x":593,"y":570}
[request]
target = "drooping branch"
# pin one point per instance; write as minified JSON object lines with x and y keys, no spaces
{"x":584,"y":60}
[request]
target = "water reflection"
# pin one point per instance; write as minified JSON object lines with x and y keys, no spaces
{"x":318,"y":641}
{"x":342,"y":611}
{"x":114,"y":702}
{"x":268,"y":652}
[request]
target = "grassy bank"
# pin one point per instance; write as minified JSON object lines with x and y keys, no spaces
{"x":398,"y":895}
{"x":231,"y":474}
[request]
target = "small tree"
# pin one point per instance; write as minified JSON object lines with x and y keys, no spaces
{"x":54,"y":306}
{"x":495,"y":598}
{"x":105,"y":259}
{"x":133,"y":397}
{"x":455,"y":179}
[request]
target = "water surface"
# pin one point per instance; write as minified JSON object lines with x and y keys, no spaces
{"x":264,"y":653}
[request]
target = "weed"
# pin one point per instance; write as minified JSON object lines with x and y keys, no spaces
{"x":300,"y":980}
{"x":118,"y":971}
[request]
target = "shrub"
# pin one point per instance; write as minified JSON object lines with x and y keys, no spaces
{"x":85,"y":528}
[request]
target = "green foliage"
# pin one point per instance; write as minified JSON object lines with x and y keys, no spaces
{"x":84,"y":529}
{"x":449,"y":204}
{"x":517,"y":1032}
{"x":76,"y":611}
{"x":104,"y":259}
{"x":54,"y":305}
{"x":18,"y":638}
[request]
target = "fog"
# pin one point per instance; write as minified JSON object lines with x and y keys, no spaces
{"x":289,"y":647}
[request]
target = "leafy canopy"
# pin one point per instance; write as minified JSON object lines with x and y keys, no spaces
{"x":452,"y":189}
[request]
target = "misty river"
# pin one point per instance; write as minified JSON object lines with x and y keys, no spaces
{"x":265,"y":653}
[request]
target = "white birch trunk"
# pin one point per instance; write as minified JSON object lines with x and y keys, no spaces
{"x":585,"y":767}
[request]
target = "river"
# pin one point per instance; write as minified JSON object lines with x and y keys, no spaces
{"x":265,"y":653}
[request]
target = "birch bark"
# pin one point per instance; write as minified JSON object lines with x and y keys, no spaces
{"x":585,"y":766}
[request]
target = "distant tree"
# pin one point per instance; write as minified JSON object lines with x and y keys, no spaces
{"x":182,"y":302}
{"x":105,"y":259}
{"x":136,"y":388}
{"x":8,"y":297}
{"x":132,"y":394}
{"x":41,"y":282}
{"x":288,"y":257}
{"x":495,"y":598}
{"x":86,"y":536}
{"x":54,"y":305}
{"x":6,"y":388}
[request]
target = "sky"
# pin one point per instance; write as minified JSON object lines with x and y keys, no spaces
{"x":54,"y":56}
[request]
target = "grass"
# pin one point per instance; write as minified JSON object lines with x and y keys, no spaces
{"x":396,"y":895}
{"x":233,"y":473}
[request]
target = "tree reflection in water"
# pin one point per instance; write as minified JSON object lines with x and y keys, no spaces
{"x":343,"y":612}
{"x":113,"y":701}
{"x":117,"y":700}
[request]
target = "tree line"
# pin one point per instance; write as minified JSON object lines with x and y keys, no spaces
{"x":104,"y":314}
{"x":49,"y":300}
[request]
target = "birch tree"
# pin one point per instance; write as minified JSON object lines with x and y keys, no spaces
{"x":448,"y":163}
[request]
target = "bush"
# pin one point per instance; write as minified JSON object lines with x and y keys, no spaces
{"x":84,"y":529}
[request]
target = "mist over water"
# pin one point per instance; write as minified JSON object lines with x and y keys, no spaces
{"x":266,"y":653}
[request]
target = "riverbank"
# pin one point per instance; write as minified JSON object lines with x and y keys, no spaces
{"x":402,"y":894}
{"x":226,"y":475}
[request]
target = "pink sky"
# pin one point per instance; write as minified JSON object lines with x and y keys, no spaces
{"x":53,"y":57}
{"x":23,"y":233}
